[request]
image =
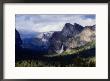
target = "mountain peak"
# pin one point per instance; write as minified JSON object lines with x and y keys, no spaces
{"x":76,"y":24}
{"x":71,"y":30}
{"x":71,"y":26}
{"x":68,"y":24}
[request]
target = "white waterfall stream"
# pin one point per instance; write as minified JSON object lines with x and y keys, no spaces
{"x":60,"y":51}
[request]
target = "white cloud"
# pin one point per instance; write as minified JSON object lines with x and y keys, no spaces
{"x":85,"y":22}
{"x":50,"y":27}
{"x":44,"y":23}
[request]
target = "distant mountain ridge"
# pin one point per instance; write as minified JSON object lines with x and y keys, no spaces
{"x":71,"y":36}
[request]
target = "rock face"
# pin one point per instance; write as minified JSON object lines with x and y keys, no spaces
{"x":56,"y":42}
{"x":18,"y":41}
{"x":70,"y":30}
{"x":71,"y":36}
{"x":87,"y":35}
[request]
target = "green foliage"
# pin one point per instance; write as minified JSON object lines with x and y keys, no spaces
{"x":76,"y":50}
{"x":76,"y":62}
{"x":60,"y":60}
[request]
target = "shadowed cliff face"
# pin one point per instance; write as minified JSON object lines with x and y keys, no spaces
{"x":18,"y":41}
{"x":56,"y":42}
{"x":70,"y":30}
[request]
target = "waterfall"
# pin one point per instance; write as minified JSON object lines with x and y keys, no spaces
{"x":60,"y":51}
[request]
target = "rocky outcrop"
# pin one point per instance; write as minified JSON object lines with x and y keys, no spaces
{"x":18,"y":41}
{"x":56,"y":42}
{"x":88,"y":34}
{"x":71,"y":36}
{"x":70,"y":30}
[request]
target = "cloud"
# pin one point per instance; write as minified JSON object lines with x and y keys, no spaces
{"x":51,"y":22}
{"x":49,"y":27}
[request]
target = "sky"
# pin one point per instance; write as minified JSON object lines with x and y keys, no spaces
{"x":51,"y":22}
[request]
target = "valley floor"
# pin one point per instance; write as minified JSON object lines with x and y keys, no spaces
{"x":80,"y":57}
